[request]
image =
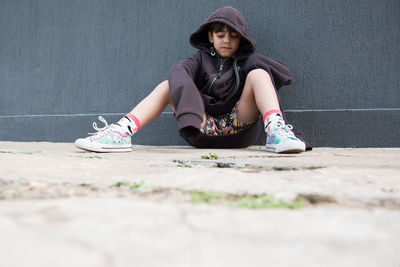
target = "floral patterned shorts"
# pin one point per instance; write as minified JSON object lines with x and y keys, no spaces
{"x":225,"y":124}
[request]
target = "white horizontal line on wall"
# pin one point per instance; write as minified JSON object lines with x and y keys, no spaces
{"x":62,"y":115}
{"x":349,"y":109}
{"x":170,"y":112}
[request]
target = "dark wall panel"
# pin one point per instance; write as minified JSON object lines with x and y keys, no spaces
{"x":64,"y":61}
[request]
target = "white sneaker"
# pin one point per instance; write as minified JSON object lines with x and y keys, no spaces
{"x":111,"y":138}
{"x":281,"y":139}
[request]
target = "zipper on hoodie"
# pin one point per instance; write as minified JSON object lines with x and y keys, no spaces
{"x":221,"y":67}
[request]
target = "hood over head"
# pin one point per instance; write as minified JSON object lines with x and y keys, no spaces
{"x":231,"y":17}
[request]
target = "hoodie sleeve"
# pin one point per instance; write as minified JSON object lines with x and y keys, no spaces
{"x":279,"y":73}
{"x":188,"y":103}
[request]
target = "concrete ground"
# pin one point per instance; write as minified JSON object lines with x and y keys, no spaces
{"x":168,"y":206}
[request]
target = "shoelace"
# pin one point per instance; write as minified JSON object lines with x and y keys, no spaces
{"x":101,"y":130}
{"x":284,"y":130}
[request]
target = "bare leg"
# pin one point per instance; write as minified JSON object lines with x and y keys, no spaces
{"x":151,"y":106}
{"x":259,"y":96}
{"x":115,"y":137}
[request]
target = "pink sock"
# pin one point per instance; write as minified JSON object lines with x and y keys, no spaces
{"x":130,"y":123}
{"x":272,"y":115}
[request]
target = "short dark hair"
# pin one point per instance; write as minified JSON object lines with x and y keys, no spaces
{"x":218,"y":27}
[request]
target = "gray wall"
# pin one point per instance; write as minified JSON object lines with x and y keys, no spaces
{"x":62,"y":62}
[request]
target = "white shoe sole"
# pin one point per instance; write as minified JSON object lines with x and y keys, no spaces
{"x":95,"y":147}
{"x":291,"y":146}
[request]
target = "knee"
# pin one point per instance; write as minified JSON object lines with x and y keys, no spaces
{"x":166,"y":89}
{"x":258,"y":74}
{"x":163,"y":87}
{"x":165,"y":84}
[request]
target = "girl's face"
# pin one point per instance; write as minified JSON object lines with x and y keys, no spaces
{"x":226,"y":42}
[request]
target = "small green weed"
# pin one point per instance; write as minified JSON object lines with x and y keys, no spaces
{"x":267,"y":201}
{"x":185,"y":164}
{"x":120,"y":183}
{"x":210,"y":156}
{"x":137,"y":186}
{"x":262,"y":201}
{"x":206,"y":197}
{"x":93,"y":157}
{"x":85,"y":183}
{"x":13,"y":152}
{"x":134,"y":186}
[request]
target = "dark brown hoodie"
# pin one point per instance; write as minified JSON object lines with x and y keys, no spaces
{"x":205,"y":83}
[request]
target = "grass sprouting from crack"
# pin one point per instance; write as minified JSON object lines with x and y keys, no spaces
{"x":206,"y":197}
{"x":210,"y":156}
{"x":185,"y":163}
{"x":261,"y":201}
{"x":17,"y":152}
{"x":93,"y":157}
{"x":137,"y":186}
{"x":266,"y":201}
{"x":33,"y":189}
{"x":134,"y":186}
{"x":85,"y":183}
{"x":120,"y":183}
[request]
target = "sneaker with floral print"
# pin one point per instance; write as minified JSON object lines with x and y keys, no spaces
{"x":281,"y":139}
{"x":111,"y":138}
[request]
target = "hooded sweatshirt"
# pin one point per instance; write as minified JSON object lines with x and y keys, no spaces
{"x":205,"y":82}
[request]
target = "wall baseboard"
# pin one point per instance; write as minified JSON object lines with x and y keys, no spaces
{"x":332,"y":128}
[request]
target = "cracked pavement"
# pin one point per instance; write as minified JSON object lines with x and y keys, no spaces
{"x":60,"y":206}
